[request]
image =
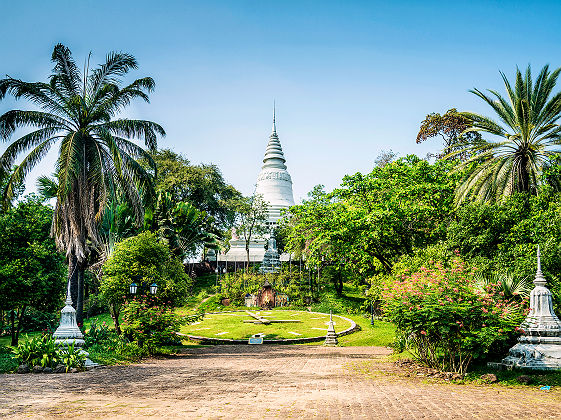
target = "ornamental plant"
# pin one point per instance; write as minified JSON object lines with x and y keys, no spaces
{"x":445,"y":320}
{"x":150,"y":323}
{"x":142,"y":256}
{"x":42,"y":351}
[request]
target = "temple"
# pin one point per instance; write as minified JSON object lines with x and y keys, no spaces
{"x":274,"y":184}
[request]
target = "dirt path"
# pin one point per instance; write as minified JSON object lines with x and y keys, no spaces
{"x":254,"y":382}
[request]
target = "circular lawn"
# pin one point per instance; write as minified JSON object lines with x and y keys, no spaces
{"x":241,"y":325}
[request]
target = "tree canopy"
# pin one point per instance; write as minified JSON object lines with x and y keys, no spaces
{"x":97,"y":155}
{"x":202,"y":185}
{"x":31,"y":270}
{"x":525,"y":141}
{"x":371,"y":220}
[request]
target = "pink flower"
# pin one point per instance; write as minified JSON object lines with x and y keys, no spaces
{"x":423,"y":332}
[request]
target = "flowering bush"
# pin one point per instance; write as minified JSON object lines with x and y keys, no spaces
{"x":150,"y":323}
{"x":445,"y":320}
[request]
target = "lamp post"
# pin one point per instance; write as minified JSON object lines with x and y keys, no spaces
{"x":217,"y":271}
{"x":371,"y":308}
{"x":135,"y":288}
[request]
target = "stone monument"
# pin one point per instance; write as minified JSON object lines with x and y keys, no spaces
{"x":331,"y":336}
{"x":271,"y":260}
{"x":540,"y":346}
{"x":68,"y":331}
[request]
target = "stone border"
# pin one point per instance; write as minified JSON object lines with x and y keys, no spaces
{"x":209,"y":340}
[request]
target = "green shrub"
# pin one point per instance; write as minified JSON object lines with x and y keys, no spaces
{"x":71,"y":357}
{"x":445,"y":321}
{"x":150,"y":324}
{"x":235,"y":286}
{"x":7,"y":362}
{"x":98,"y":333}
{"x":41,"y":350}
{"x":143,"y":257}
{"x":115,"y":349}
{"x":35,"y":320}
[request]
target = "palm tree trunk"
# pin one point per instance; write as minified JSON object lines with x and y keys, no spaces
{"x":73,"y":279}
{"x":80,"y":297}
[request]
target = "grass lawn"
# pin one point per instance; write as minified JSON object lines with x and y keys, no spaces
{"x":7,"y":339}
{"x":380,"y":334}
{"x":231,"y":325}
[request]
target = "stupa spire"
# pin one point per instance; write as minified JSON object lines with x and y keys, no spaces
{"x":540,"y":279}
{"x":274,"y":156}
{"x":274,"y":182}
{"x":274,"y":122}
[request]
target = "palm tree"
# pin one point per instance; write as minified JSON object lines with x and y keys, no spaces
{"x":524,"y":142}
{"x":97,"y":155}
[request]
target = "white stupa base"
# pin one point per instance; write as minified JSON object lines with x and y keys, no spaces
{"x":537,"y":353}
{"x":68,"y":334}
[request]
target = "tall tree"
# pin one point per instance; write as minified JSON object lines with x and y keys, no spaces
{"x":97,"y":155}
{"x":31,"y":269}
{"x":524,"y":142}
{"x":201,"y":185}
{"x":251,"y":217}
{"x":364,"y":226}
{"x":451,"y":127}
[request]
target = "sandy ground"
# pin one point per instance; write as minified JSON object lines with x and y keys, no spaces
{"x":254,"y":382}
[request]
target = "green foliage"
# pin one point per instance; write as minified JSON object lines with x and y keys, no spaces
{"x":32,"y":273}
{"x":7,"y":362}
{"x":446,"y":321}
{"x":71,"y":357}
{"x":251,"y":215}
{"x":41,"y":350}
{"x":107,"y":347}
{"x":503,"y":237}
{"x":510,"y":287}
{"x":203,"y":186}
{"x":149,"y":324}
{"x":143,"y":255}
{"x":523,"y":144}
{"x":363,"y":227}
{"x":181,"y":225}
{"x":97,"y":333}
{"x":235,"y":286}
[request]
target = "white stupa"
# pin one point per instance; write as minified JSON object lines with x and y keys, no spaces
{"x":274,"y":184}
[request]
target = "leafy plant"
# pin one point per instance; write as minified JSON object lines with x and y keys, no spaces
{"x":524,"y":143}
{"x":445,"y":321}
{"x":511,"y":287}
{"x":146,"y":256}
{"x":149,"y":323}
{"x":41,"y":350}
{"x":72,"y":357}
{"x":98,"y":333}
{"x":7,"y":362}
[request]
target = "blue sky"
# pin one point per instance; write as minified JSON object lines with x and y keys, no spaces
{"x":350,"y":78}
